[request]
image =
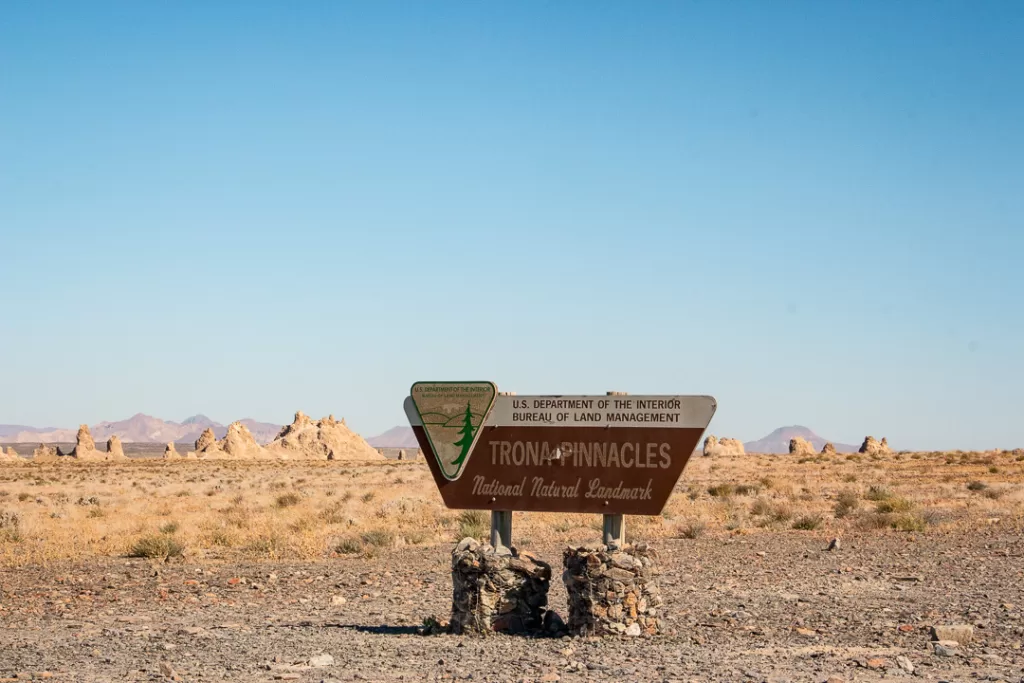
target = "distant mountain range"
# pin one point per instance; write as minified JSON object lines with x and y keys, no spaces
{"x":137,"y":429}
{"x":776,"y":442}
{"x":396,"y":437}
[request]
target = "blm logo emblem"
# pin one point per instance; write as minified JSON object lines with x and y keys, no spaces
{"x":452,"y":414}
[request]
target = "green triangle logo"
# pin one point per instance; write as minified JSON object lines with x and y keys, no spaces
{"x":452,"y":414}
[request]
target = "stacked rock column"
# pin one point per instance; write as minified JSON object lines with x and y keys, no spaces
{"x":497,"y":591}
{"x":612,"y":591}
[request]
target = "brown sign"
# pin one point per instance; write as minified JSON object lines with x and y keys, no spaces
{"x":603,"y":454}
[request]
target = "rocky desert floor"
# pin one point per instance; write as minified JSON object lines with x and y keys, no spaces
{"x":326,"y":571}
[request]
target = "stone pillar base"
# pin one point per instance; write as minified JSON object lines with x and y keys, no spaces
{"x":612,"y":592}
{"x":491,"y":591}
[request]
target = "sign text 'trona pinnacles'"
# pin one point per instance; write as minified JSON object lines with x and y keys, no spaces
{"x":609,"y":454}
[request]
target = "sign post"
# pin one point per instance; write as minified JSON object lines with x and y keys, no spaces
{"x":613,"y":527}
{"x":611,"y":454}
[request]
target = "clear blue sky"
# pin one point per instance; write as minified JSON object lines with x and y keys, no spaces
{"x":811,"y":210}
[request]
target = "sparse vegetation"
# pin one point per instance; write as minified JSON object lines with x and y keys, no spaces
{"x":287,"y":500}
{"x":155,"y":546}
{"x":807,"y":522}
{"x":847,"y":502}
{"x":473,"y":523}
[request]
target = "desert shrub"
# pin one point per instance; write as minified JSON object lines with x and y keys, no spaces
{"x":780,"y":512}
{"x":807,"y":522}
{"x":368,"y":496}
{"x":157,"y":546}
{"x":908,"y":522}
{"x":415,"y":536}
{"x":747,"y":489}
{"x":878,"y":492}
{"x":976,"y":486}
{"x":473,"y":523}
{"x":846,"y":502}
{"x":96,"y":513}
{"x":994,"y":493}
{"x":721,"y":490}
{"x":993,"y":470}
{"x":10,"y":526}
{"x":24,"y":496}
{"x":850,"y":478}
{"x":169,"y":527}
{"x":378,"y":538}
{"x":894,"y":505}
{"x":761,"y":506}
{"x":692,"y":529}
{"x":287,"y":500}
{"x":348,"y":545}
{"x":269,"y":544}
{"x":767,"y":482}
{"x":333,"y":515}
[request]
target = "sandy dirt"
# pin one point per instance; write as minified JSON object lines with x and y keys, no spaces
{"x":769,"y":607}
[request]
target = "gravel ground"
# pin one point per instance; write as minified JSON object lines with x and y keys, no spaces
{"x":763,"y":607}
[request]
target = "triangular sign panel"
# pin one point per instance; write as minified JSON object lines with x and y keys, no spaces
{"x":452,"y":414}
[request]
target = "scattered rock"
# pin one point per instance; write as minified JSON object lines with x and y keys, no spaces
{"x":633,"y":630}
{"x":945,"y":648}
{"x":958,"y":633}
{"x":828,"y":449}
{"x":800,"y":446}
{"x":320,"y":661}
{"x":834,"y":544}
{"x":904,"y":663}
{"x":167,"y":671}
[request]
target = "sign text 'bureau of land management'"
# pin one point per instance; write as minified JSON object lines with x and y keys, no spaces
{"x":615,"y":454}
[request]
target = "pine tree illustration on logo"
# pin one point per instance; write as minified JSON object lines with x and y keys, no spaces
{"x":466,"y":442}
{"x":452,"y":414}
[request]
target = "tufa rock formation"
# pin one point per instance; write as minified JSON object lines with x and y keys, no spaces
{"x":727,"y":446}
{"x":9,"y":455}
{"x":170,"y":452}
{"x":800,"y":446}
{"x":238,"y":444}
{"x":114,"y":449}
{"x":828,"y":449}
{"x":44,"y":453}
{"x":723,"y":446}
{"x":873,"y":447}
{"x":325,"y":439}
{"x":206,"y":439}
{"x":85,"y":447}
